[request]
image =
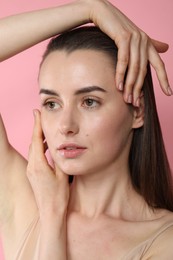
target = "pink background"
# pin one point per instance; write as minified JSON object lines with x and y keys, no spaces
{"x":18,"y":75}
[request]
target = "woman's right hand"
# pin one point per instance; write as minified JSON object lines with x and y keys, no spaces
{"x":135,"y":49}
{"x":51,"y":191}
{"x":50,"y":186}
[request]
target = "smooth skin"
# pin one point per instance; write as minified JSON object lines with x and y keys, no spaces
{"x":135,"y":47}
{"x":103,"y":205}
{"x":19,"y":193}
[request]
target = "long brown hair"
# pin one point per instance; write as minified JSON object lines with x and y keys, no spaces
{"x":149,"y":167}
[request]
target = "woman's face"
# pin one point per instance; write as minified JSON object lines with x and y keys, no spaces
{"x":87,"y":125}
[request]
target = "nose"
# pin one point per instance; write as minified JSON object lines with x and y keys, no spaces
{"x":69,"y":123}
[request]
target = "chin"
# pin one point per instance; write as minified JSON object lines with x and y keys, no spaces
{"x":73,"y":170}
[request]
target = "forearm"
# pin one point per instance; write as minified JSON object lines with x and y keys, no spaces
{"x":53,"y":238}
{"x":4,"y":143}
{"x":22,"y":31}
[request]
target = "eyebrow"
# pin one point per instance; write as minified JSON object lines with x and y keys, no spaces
{"x":77,"y":92}
{"x":48,"y":92}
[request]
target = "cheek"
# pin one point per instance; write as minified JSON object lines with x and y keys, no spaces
{"x":111,"y":129}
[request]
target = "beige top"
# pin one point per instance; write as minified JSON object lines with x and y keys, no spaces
{"x":29,"y":244}
{"x":140,"y":250}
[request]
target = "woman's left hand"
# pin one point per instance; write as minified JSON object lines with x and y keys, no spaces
{"x":135,"y":49}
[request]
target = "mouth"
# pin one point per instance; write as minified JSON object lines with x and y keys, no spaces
{"x":71,"y":151}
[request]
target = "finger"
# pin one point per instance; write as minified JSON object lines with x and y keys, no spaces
{"x":37,"y":161}
{"x":37,"y":137}
{"x":160,"y":47}
{"x":133,"y":69}
{"x":142,"y":70}
{"x":159,"y":67}
{"x":123,"y":44}
{"x":37,"y":125}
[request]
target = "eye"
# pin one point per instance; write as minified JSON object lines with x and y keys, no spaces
{"x":51,"y":105}
{"x":90,"y":103}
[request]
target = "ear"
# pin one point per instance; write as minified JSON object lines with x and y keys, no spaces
{"x":138,"y":115}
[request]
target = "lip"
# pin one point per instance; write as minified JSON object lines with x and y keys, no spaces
{"x":71,"y":150}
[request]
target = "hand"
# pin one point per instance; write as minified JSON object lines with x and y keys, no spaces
{"x":135,"y":49}
{"x":50,"y":186}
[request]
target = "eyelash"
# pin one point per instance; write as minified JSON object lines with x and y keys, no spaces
{"x":93,"y":100}
{"x":49,"y":104}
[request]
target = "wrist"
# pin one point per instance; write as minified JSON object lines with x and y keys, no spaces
{"x":53,"y":225}
{"x":87,"y":6}
{"x":93,"y":7}
{"x":53,"y":237}
{"x":51,"y":215}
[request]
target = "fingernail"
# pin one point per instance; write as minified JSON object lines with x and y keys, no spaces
{"x":120,"y":86}
{"x":129,"y":100}
{"x":170,"y":92}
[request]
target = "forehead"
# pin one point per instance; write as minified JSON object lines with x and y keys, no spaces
{"x":77,"y":69}
{"x":60,"y":61}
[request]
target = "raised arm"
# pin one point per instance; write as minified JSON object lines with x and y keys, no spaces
{"x":135,"y":47}
{"x":6,"y":157}
{"x":12,"y":176}
{"x":22,"y":31}
{"x":4,"y":144}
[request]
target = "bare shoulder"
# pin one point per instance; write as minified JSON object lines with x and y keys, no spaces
{"x":162,"y":247}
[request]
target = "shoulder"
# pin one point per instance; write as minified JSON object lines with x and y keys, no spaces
{"x":162,"y":246}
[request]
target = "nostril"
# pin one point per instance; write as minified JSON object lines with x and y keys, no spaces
{"x":69,"y":130}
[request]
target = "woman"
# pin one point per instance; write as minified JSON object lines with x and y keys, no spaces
{"x":96,"y":217}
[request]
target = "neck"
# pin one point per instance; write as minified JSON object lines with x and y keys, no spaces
{"x":107,"y":193}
